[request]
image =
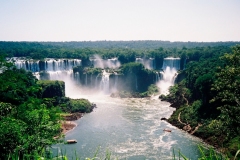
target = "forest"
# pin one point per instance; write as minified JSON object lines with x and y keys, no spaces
{"x":206,"y":92}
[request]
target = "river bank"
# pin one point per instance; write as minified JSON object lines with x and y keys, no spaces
{"x":202,"y":129}
{"x":68,"y":124}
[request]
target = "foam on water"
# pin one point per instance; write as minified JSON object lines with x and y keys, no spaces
{"x":129,"y":128}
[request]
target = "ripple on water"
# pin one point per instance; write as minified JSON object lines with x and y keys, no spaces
{"x":130,"y":129}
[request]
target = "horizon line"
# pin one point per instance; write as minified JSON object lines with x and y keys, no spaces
{"x":120,"y":41}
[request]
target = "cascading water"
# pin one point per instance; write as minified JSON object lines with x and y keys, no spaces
{"x":77,"y":77}
{"x":170,"y":68}
{"x":48,"y":64}
{"x":116,"y":82}
{"x":51,"y":69}
{"x":148,"y":63}
{"x":57,"y":69}
{"x":158,"y":76}
{"x":104,"y":85}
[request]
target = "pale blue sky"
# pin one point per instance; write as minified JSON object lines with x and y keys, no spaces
{"x":84,"y":20}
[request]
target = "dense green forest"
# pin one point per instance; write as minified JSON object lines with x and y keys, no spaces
{"x":207,"y":97}
{"x":30,"y":112}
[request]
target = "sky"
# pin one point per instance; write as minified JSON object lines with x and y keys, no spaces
{"x":92,"y":20}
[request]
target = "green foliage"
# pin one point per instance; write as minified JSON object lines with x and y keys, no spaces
{"x":233,"y":146}
{"x":227,"y":91}
{"x":152,"y":89}
{"x":136,"y":77}
{"x":178,"y":95}
{"x":80,"y":105}
{"x":75,"y":105}
{"x":52,"y":89}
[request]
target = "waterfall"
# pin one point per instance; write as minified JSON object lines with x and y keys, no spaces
{"x":77,"y":77}
{"x":49,"y":64}
{"x":172,"y":63}
{"x":158,"y":76}
{"x":116,"y":82}
{"x":96,"y":82}
{"x":51,"y":69}
{"x":62,"y":69}
{"x":104,"y":85}
{"x":91,"y":80}
{"x":60,"y":75}
{"x":170,"y":68}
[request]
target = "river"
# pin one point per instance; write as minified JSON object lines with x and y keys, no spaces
{"x":128,"y":128}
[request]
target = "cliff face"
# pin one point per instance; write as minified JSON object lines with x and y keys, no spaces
{"x":52,"y":89}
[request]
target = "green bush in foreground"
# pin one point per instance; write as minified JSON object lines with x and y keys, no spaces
{"x":206,"y":154}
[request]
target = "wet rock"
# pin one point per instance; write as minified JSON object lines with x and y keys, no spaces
{"x":187,"y":128}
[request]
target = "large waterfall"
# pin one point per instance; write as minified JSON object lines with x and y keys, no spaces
{"x":62,"y":69}
{"x":49,"y":64}
{"x":170,"y":68}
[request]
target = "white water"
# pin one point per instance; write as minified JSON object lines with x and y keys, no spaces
{"x":49,"y":64}
{"x":129,"y":128}
{"x":104,"y":84}
{"x":170,"y":68}
{"x":98,"y":62}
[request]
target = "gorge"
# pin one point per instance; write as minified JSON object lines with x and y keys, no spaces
{"x":129,"y":128}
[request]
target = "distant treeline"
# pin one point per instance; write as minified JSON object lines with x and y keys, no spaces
{"x":141,"y":44}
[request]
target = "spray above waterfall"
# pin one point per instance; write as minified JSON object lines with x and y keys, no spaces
{"x":98,"y":62}
{"x":148,"y":63}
